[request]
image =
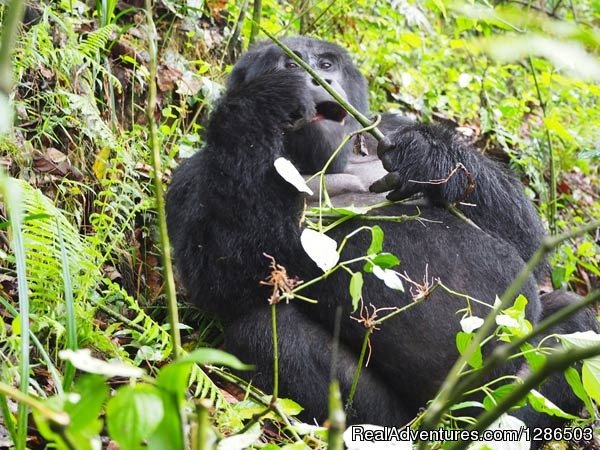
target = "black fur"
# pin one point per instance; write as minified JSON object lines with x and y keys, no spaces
{"x":227,"y":206}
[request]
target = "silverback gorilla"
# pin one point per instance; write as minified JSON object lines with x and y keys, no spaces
{"x":228,"y":207}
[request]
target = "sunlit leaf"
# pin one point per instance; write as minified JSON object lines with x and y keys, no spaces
{"x":290,"y":174}
{"x":320,"y":248}
{"x":133,"y":414}
{"x":355,"y":288}
{"x":82,"y":359}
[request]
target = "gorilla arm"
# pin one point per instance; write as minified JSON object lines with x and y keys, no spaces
{"x":227,"y":205}
{"x":435,"y":160}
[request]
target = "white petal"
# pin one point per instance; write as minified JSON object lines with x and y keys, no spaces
{"x":82,"y":359}
{"x":506,"y":321}
{"x":320,"y":248}
{"x":290,"y":174}
{"x":378,"y":272}
{"x":470,"y":323}
{"x":389,"y":277}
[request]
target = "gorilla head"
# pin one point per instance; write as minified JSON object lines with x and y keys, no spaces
{"x":330,"y":123}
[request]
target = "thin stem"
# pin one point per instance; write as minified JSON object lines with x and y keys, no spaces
{"x":71,"y":320}
{"x":202,"y":425}
{"x":337,"y":418}
{"x":256,"y":15}
{"x":159,"y":190}
{"x":12,"y":20}
{"x":275,"y":353}
{"x":551,"y":166}
{"x":57,"y":417}
{"x":359,"y":365}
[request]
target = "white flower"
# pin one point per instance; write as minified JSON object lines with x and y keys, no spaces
{"x":470,"y":323}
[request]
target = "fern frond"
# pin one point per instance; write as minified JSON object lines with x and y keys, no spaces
{"x":97,"y":40}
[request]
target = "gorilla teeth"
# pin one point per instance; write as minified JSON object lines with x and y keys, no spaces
{"x":330,"y":111}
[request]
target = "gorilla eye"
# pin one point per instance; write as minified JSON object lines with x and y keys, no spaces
{"x":325,"y":65}
{"x":291,"y":65}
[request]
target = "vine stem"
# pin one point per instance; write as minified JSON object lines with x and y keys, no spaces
{"x":275,"y":353}
{"x":359,"y":365}
{"x":551,"y":165}
{"x":256,"y":15}
{"x":61,"y":419}
{"x":159,"y":190}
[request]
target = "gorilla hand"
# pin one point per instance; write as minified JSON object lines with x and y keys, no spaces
{"x":423,"y":158}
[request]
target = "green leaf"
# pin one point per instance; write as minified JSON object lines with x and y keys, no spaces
{"x":213,"y":356}
{"x":535,"y":359}
{"x":541,"y":404}
{"x":355,"y":288}
{"x":174,"y":377}
{"x":133,"y":414}
{"x":289,"y":407}
{"x":383,"y":260}
{"x":492,"y":399}
{"x":376,"y":240}
{"x":169,"y":433}
{"x":590,"y":376}
{"x":462,"y":342}
{"x":574,"y":380}
{"x":92,"y":391}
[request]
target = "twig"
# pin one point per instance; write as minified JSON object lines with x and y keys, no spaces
{"x":256,"y":15}
{"x":58,"y":418}
{"x":337,"y":418}
{"x":159,"y":190}
{"x":275,"y":353}
{"x":551,"y":166}
{"x":12,"y":20}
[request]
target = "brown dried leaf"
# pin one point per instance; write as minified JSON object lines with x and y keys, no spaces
{"x":167,"y":77}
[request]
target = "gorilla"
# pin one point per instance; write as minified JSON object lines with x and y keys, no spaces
{"x":228,"y":207}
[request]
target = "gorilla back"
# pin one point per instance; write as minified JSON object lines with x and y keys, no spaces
{"x":228,"y":207}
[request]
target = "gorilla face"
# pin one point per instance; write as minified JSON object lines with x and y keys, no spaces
{"x":311,"y":145}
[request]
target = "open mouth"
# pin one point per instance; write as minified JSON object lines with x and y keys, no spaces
{"x":330,"y":111}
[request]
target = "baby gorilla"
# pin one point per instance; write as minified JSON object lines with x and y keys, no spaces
{"x":228,"y":207}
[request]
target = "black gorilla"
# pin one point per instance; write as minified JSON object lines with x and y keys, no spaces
{"x":227,"y":207}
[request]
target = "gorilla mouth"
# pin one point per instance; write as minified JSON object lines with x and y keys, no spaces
{"x":329,"y":111}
